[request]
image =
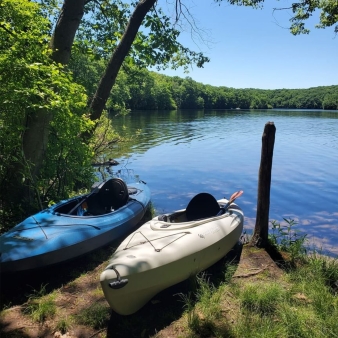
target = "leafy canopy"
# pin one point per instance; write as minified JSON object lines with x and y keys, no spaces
{"x":156,"y":43}
{"x":31,"y":82}
{"x":302,"y":11}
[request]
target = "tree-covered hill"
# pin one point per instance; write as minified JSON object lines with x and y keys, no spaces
{"x":149,"y":90}
{"x":140,"y":89}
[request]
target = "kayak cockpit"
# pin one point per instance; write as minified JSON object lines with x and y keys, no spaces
{"x":104,"y":198}
{"x":201,"y":209}
{"x":201,"y":206}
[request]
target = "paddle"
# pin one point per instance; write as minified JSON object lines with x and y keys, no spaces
{"x":95,"y":191}
{"x":232,"y":198}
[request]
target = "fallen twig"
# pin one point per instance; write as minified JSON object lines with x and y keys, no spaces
{"x":251,"y":273}
{"x":94,"y":334}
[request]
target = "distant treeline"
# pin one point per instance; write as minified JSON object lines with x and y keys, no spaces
{"x":156,"y":91}
{"x":140,"y":89}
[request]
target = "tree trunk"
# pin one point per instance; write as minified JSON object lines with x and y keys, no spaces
{"x":35,"y":140}
{"x":108,"y":79}
{"x":36,"y":124}
{"x":261,"y":232}
{"x":66,"y":27}
{"x":35,"y":137}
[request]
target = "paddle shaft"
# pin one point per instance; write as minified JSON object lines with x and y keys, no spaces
{"x":84,"y":199}
{"x":232,"y":198}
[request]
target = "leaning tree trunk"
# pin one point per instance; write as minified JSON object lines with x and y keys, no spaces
{"x":261,"y":232}
{"x":108,"y":79}
{"x":66,"y":27}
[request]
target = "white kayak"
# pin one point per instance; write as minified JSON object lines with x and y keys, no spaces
{"x":169,"y":249}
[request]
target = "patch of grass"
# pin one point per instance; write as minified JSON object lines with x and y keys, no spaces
{"x":261,"y":299}
{"x":72,"y":284}
{"x":301,"y":322}
{"x":203,"y":309}
{"x":190,"y":312}
{"x":63,"y":325}
{"x":230,"y":269}
{"x":304,"y":304}
{"x":307,"y":307}
{"x":327,"y":269}
{"x":256,"y":326}
{"x":40,"y":305}
{"x":208,"y":298}
{"x":96,"y":316}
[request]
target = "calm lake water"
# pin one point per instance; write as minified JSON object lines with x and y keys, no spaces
{"x":182,"y":153}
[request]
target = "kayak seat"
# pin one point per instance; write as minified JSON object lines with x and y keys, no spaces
{"x":94,"y":207}
{"x":113,"y":194}
{"x":203,"y":205}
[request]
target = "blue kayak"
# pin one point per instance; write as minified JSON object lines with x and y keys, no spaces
{"x":74,"y":227}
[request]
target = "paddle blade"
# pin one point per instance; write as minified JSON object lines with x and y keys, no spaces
{"x":235,"y":195}
{"x":232,"y":198}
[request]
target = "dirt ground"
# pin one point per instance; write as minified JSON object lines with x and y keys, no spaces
{"x":79,"y":291}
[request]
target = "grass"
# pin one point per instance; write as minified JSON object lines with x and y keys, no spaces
{"x":303,"y":304}
{"x":301,"y":301}
{"x":63,"y":325}
{"x":40,"y":305}
{"x":262,"y":299}
{"x":95,"y":316}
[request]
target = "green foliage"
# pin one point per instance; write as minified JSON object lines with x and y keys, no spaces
{"x":286,"y":238}
{"x":161,"y":46}
{"x":24,"y":61}
{"x":105,"y":137}
{"x":206,"y":301}
{"x":156,"y":43}
{"x":140,"y":89}
{"x":96,"y":316}
{"x":40,"y":305}
{"x":31,"y":82}
{"x":63,"y":325}
{"x":325,"y":267}
{"x":328,"y":14}
{"x":263,"y":300}
{"x":302,"y":11}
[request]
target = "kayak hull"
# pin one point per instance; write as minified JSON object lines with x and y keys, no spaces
{"x":158,"y":255}
{"x":50,"y":237}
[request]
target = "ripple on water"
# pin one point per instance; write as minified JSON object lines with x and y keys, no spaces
{"x":182,"y":153}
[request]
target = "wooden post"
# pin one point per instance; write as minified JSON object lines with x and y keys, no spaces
{"x":260,"y":235}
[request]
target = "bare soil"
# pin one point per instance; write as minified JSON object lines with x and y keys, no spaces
{"x":77,"y":290}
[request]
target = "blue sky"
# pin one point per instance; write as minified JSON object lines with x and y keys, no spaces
{"x":252,"y":48}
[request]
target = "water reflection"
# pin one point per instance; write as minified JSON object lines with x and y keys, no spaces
{"x":181,"y":153}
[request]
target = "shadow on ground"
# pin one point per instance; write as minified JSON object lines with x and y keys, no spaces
{"x":16,"y":288}
{"x":168,"y":305}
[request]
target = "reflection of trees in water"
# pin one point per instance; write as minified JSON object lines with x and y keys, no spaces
{"x":142,"y":130}
{"x":104,"y":173}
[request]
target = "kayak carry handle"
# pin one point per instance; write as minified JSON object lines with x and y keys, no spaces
{"x":118,"y":283}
